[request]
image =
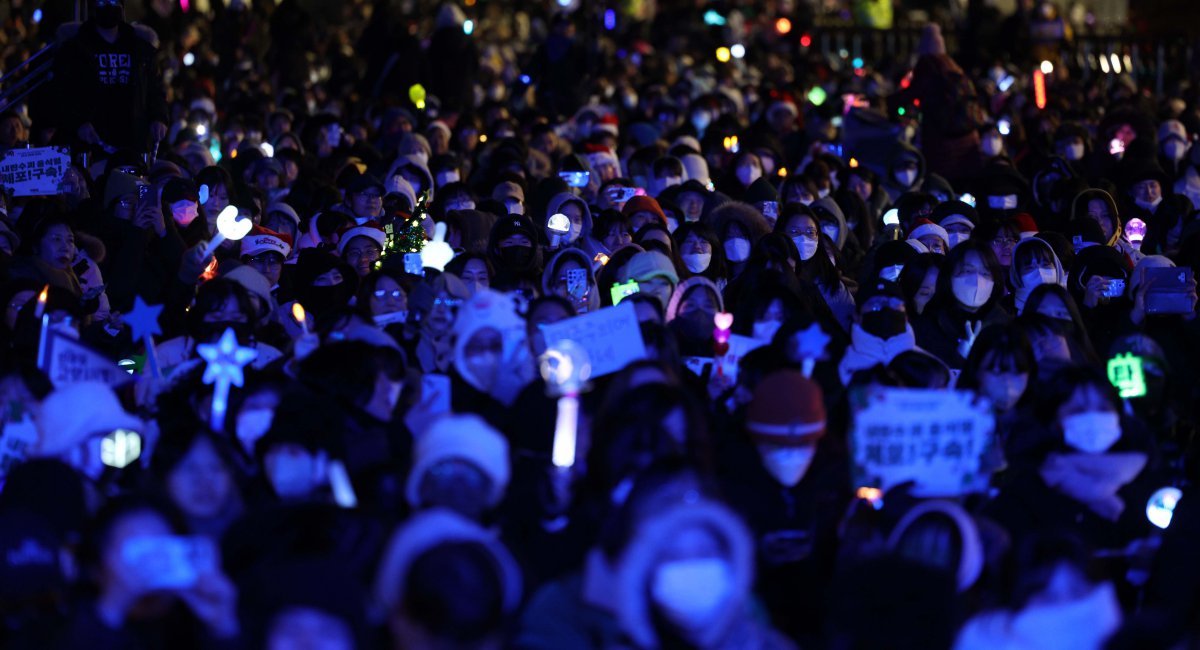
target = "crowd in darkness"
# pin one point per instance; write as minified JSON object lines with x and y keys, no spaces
{"x":345,"y":428}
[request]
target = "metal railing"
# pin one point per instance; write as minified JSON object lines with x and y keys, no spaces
{"x":28,"y":76}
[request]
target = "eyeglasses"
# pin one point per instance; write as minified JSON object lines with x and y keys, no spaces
{"x":447,"y":302}
{"x":362,"y":253}
{"x":370,"y":195}
{"x":1004,"y":241}
{"x":394,"y":293}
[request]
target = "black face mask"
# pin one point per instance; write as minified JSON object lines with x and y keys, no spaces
{"x":884,"y":323}
{"x":109,"y":16}
{"x":516,"y":257}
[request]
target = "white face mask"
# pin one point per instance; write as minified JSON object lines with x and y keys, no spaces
{"x":806,"y":246}
{"x":972,"y":290}
{"x":253,"y":424}
{"x":906,"y":178}
{"x":1148,"y":205}
{"x":1073,"y":152}
{"x":787,"y":464}
{"x":991,"y":146}
{"x":765,"y":330}
{"x":831,"y":231}
{"x":957,"y":238}
{"x":447,"y":177}
{"x":823,"y":192}
{"x":1039,"y":276}
{"x":672,"y":224}
{"x":1175,"y":150}
{"x":737,"y":249}
{"x":1093,"y":432}
{"x":1006,"y":202}
{"x":690,"y":592}
{"x":697,"y":262}
{"x":482,"y":368}
{"x":747,"y":174}
{"x":891,"y":273}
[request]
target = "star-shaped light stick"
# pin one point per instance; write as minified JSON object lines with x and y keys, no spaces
{"x":810,"y":347}
{"x":225,"y":360}
{"x":143,"y":325}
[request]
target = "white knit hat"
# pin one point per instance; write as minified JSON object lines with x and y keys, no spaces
{"x":927,"y":229}
{"x":75,"y":413}
{"x":460,"y":437}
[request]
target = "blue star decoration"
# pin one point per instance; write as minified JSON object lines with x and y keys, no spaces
{"x":143,"y":319}
{"x":225,"y":360}
{"x":811,"y":343}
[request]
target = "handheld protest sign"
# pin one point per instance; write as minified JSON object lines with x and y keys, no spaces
{"x":34,"y":171}
{"x":611,"y":337}
{"x":226,"y":361}
{"x":934,"y":438}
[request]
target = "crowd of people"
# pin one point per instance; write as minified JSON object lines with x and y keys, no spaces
{"x":432,"y":189}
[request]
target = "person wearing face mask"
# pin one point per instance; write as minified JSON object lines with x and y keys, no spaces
{"x":108,"y":77}
{"x":512,"y":195}
{"x":579,"y":217}
{"x":569,"y":275}
{"x":1002,"y":368}
{"x":991,"y":143}
{"x":880,"y":331}
{"x":739,"y":226}
{"x":1071,"y":142}
{"x":1173,"y":146}
{"x":415,"y":172}
{"x":746,"y":168}
{"x":783,"y":477}
{"x":968,"y":295}
{"x":701,"y":252}
{"x":762,"y":195}
{"x":490,"y":359}
{"x":667,"y":172}
{"x":655,"y":274}
{"x":690,"y":315}
{"x":1034,"y":264}
{"x":1079,"y":461}
{"x":513,"y":247}
{"x":906,"y":171}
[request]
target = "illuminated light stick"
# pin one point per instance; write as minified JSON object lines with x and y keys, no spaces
{"x":229,"y":226}
{"x":810,"y":347}
{"x":723,"y":322}
{"x":143,"y":325}
{"x":226,"y":360}
{"x":566,"y":369}
{"x":300,"y":316}
{"x":40,"y":312}
{"x":1039,"y":89}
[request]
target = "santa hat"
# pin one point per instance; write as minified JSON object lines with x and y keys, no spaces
{"x":925,"y":228}
{"x":1172,"y":129}
{"x":1026,"y":226}
{"x":460,"y":437}
{"x":598,"y":156}
{"x":75,"y":413}
{"x":958,"y":219}
{"x":262,"y":240}
{"x":787,"y":409}
{"x":371,"y":230}
{"x":608,"y":123}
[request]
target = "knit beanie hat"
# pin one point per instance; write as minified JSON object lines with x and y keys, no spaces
{"x":644,"y":204}
{"x":787,"y":409}
{"x":119,"y":184}
{"x":460,"y":437}
{"x":647,"y":265}
{"x":371,"y":230}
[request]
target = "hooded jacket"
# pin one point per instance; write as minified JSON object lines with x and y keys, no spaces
{"x":687,"y":285}
{"x":498,"y":311}
{"x":903,"y":151}
{"x":827,"y":207}
{"x":413,"y":163}
{"x":1079,"y":210}
{"x":1020,"y":290}
{"x":551,"y":270}
{"x":584,"y":242}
